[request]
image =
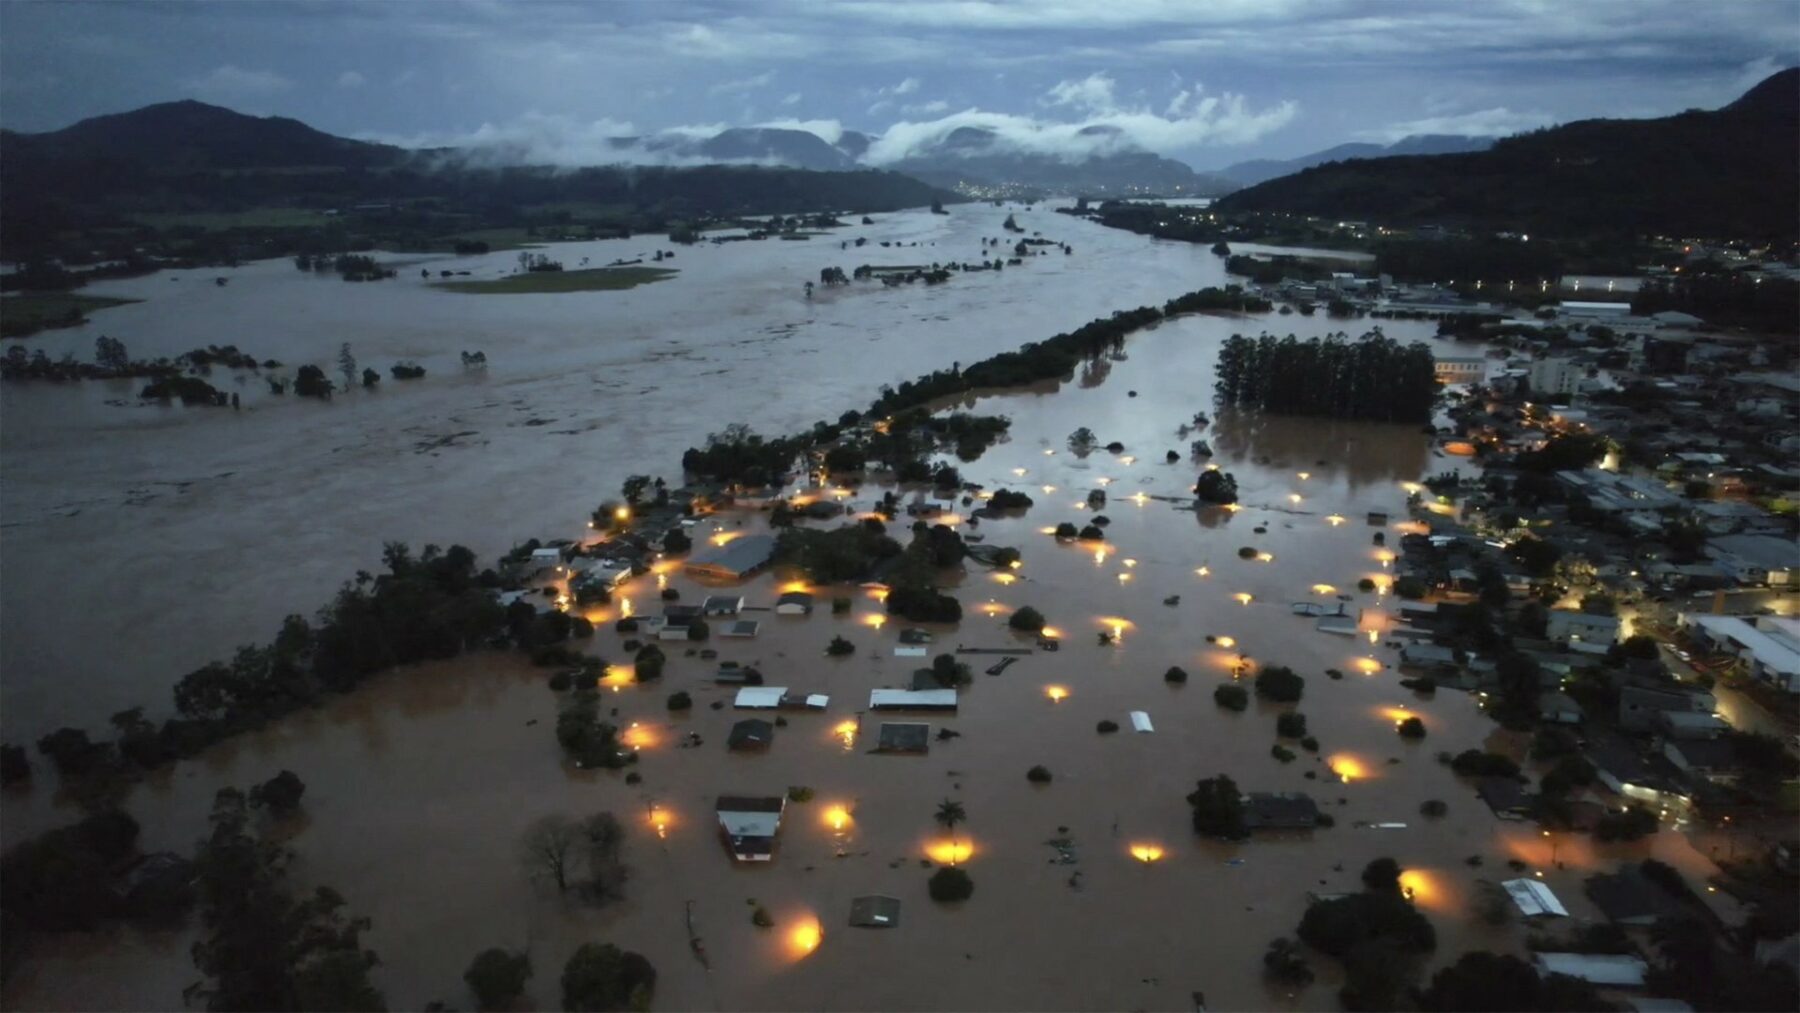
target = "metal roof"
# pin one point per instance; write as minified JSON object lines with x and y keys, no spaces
{"x":926,"y":698}
{"x":1534,"y":898}
{"x":1614,"y":969}
{"x":760,"y":697}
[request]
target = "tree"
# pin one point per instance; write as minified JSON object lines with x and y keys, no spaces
{"x":1411,"y":728}
{"x":1482,"y":981}
{"x":950,"y":884}
{"x":1634,"y":823}
{"x":1026,"y":619}
{"x":497,"y":977}
{"x":279,"y":794}
{"x":680,"y":700}
{"x":309,"y":381}
{"x":1279,"y":684}
{"x":600,"y":977}
{"x":1218,"y":809}
{"x":347,"y":365}
{"x":948,"y":671}
{"x":1039,"y":774}
{"x":1382,"y":875}
{"x":370,"y":379}
{"x":548,"y":849}
{"x":1291,"y":725}
{"x":110,"y":354}
{"x":1216,"y":487}
{"x":1231,"y":696}
{"x":1286,"y":963}
{"x":602,"y":836}
{"x":948,"y":815}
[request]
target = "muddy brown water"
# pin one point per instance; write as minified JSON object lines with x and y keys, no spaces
{"x":420,"y":784}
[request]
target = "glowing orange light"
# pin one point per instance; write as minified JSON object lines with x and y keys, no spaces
{"x":1323,"y":589}
{"x":1293,"y":497}
{"x":1139,"y":498}
{"x":1129,"y":562}
{"x":1243,"y":597}
{"x":1226,"y":641}
{"x":1204,"y":572}
{"x":1050,"y":632}
{"x":724,"y":537}
{"x":876,"y":620}
{"x":879,"y":594}
{"x":1099,"y":557}
{"x":1123,"y":577}
{"x":1265,"y":557}
{"x":1304,"y":475}
{"x":1019,"y":471}
{"x":638,"y":736}
{"x":1334,"y":520}
{"x":1015,"y":564}
{"x":659,"y":819}
{"x":1048,"y":490}
{"x":948,"y":852}
{"x":1127,"y":459}
{"x":1347,"y":767}
{"x":1232,"y":508}
{"x":625,"y":608}
{"x":1047,"y":453}
{"x":806,"y":936}
{"x":618,"y":675}
{"x":1147,"y":853}
{"x":1411,"y":487}
{"x":622,"y":514}
{"x":1212,"y":467}
{"x":845,"y":730}
{"x":1374,"y":636}
{"x":1005,"y":578}
{"x":1104,"y":481}
{"x":796,"y":587}
{"x":1369,"y":666}
{"x":1057,"y":694}
{"x":838,"y":817}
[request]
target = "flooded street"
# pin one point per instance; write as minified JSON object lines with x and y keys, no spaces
{"x":420,"y":785}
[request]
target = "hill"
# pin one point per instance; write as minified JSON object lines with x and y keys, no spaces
{"x":976,"y":160}
{"x":189,"y":136}
{"x":1261,"y":170}
{"x":1729,"y":172}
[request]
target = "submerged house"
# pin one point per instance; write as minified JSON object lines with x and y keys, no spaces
{"x":1283,"y":810}
{"x":749,"y":824}
{"x":751,"y":734}
{"x":743,"y":556}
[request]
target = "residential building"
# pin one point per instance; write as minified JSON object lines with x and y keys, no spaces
{"x":1556,"y":376}
{"x":1758,"y":560}
{"x":1566,"y":626}
{"x":1768,"y":647}
{"x":1280,"y":811}
{"x":749,"y":825}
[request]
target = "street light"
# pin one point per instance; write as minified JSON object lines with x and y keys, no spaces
{"x":1553,"y":845}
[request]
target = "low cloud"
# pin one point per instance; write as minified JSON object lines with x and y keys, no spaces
{"x":743,"y":84}
{"x":567,"y":142}
{"x":1496,"y":122}
{"x":827,"y":130}
{"x":229,"y":83}
{"x":351,"y":79}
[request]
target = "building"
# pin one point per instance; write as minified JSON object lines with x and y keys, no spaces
{"x":1566,"y":626}
{"x":751,"y":734}
{"x":794,"y":603}
{"x":741,"y":557}
{"x":1607,"y":970}
{"x":903,"y":737}
{"x":1640,"y":705}
{"x":912,"y":699}
{"x":1713,"y":759}
{"x":1595,"y":310}
{"x":1534,"y":898}
{"x":1555,"y":376}
{"x":1460,"y":369}
{"x":1618,"y":766}
{"x":722,"y":605}
{"x":1628,"y":897}
{"x":749,"y":824}
{"x":875,"y":912}
{"x":1285,"y":810}
{"x":1505,"y":796}
{"x":1758,"y":560}
{"x":1767,"y":647}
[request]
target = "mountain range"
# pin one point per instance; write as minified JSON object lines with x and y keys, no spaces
{"x":1261,"y":170}
{"x":1733,"y":171}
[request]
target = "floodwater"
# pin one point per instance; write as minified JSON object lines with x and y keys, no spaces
{"x":185,"y":532}
{"x":420,"y":785}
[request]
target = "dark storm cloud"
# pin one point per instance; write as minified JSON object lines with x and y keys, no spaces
{"x":1209,"y":83}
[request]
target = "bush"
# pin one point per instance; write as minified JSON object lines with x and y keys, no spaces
{"x":1365,"y":584}
{"x":600,"y":976}
{"x":1027,"y":619}
{"x":1382,"y":875}
{"x":627,"y":625}
{"x":1435,"y":808}
{"x":680,"y":700}
{"x":1246,"y":553}
{"x":279,"y":794}
{"x":698,"y":630}
{"x":1039,"y":774}
{"x":923,"y":605}
{"x":1216,"y":487}
{"x":1335,"y":926}
{"x":799,"y":793}
{"x":1411,"y":588}
{"x":1175,"y":675}
{"x":1066,"y":531}
{"x":1309,"y":744}
{"x":1006,"y":499}
{"x":1282,"y":753}
{"x":677,"y":542}
{"x":650,"y":662}
{"x":1280,"y":684}
{"x":1106,"y":726}
{"x":670,"y":594}
{"x":1231,"y":696}
{"x":1291,"y":726}
{"x":950,"y":884}
{"x":1411,"y":728}
{"x":761,"y":918}
{"x":1424,"y":684}
{"x":840,"y":605}
{"x":839,"y":647}
{"x":1092,"y":533}
{"x":560,"y":681}
{"x":497,"y":977}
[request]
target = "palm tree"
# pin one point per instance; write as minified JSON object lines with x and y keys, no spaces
{"x":948,"y":815}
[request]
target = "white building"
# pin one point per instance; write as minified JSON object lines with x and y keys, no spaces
{"x":1460,"y":369}
{"x":1556,"y":376}
{"x":1767,"y":646}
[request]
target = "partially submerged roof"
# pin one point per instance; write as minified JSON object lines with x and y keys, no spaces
{"x":739,"y":557}
{"x":904,"y":737}
{"x":875,"y":912}
{"x":1140,"y":721}
{"x":750,"y":816}
{"x":751,"y":733}
{"x":1270,"y":810}
{"x":760,"y":697}
{"x":914,"y":699}
{"x":1534,"y":898}
{"x":1615,"y":969}
{"x":742,"y":628}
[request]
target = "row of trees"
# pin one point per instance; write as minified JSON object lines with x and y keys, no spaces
{"x":1374,"y":378}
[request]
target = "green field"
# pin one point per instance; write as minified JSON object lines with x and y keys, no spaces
{"x":599,"y":279}
{"x":31,"y":312}
{"x":256,"y":218}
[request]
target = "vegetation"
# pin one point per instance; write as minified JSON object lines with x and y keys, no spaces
{"x":1280,"y":684}
{"x":837,"y":554}
{"x":279,"y":794}
{"x":30,"y":312}
{"x":1175,"y":676}
{"x":599,"y":279}
{"x":950,"y":884}
{"x":1291,"y":725}
{"x":1106,"y":726}
{"x":600,"y":977}
{"x":839,"y":647}
{"x":497,"y":977}
{"x":1284,"y":962}
{"x":680,"y":700}
{"x":1217,"y":487}
{"x":1633,"y":823}
{"x":1490,"y":981}
{"x":1231,"y":696}
{"x":1475,"y":763}
{"x":1026,"y":619}
{"x":262,"y":947}
{"x":1218,"y":809}
{"x":1411,"y":728}
{"x":1039,"y":774}
{"x":1373,"y":378}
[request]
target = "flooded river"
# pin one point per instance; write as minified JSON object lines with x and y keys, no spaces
{"x":420,"y":785}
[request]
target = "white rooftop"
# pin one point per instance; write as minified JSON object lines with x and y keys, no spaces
{"x":1776,"y":645}
{"x":1596,"y":968}
{"x":760,"y":697}
{"x":749,"y":824}
{"x":1534,"y":898}
{"x":912,"y":698}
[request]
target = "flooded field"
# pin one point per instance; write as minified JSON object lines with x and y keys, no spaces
{"x":420,"y":785}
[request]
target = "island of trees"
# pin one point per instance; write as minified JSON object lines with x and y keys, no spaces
{"x":1374,"y":378}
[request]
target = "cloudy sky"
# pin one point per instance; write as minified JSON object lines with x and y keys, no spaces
{"x":1207,"y":81}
